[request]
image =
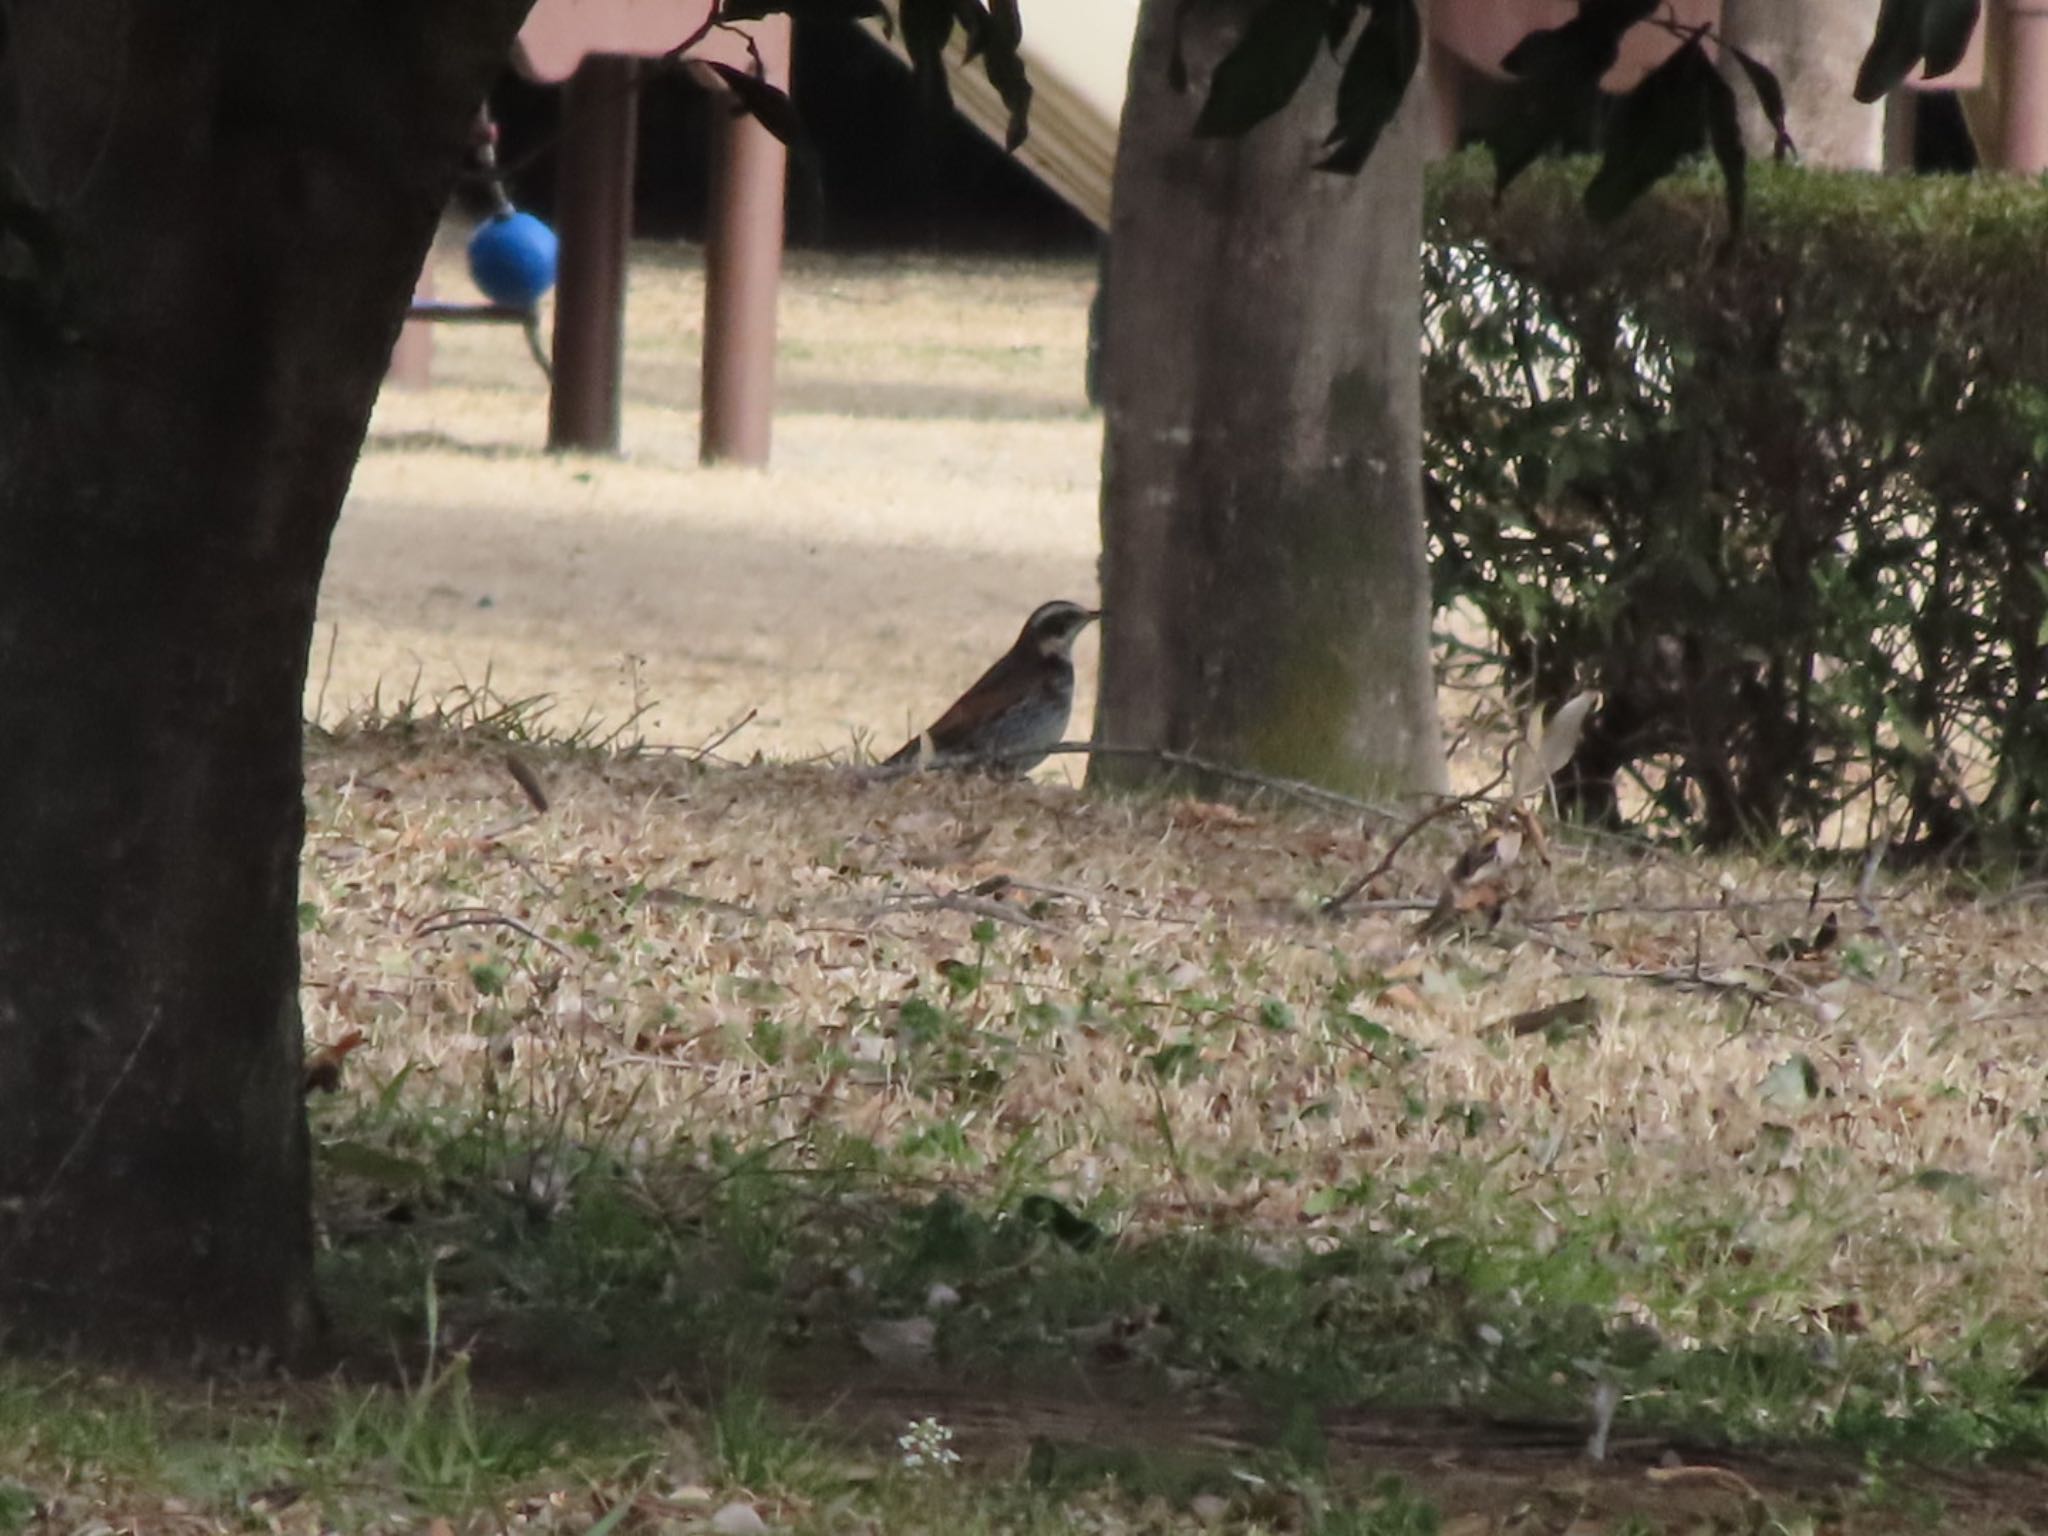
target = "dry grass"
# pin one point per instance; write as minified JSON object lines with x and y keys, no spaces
{"x":720,"y":952}
{"x":680,"y":972}
{"x":1135,"y":1007}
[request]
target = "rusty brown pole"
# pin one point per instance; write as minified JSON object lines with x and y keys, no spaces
{"x":1443,"y":72}
{"x":594,"y":216}
{"x":742,"y":268}
{"x":2026,"y":87}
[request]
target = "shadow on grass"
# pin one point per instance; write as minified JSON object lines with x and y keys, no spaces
{"x":844,"y":1285}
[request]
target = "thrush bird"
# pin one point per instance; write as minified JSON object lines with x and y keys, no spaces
{"x":1017,"y":710}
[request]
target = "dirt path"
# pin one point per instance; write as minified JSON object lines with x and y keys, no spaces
{"x":1484,"y":1476}
{"x":934,"y":479}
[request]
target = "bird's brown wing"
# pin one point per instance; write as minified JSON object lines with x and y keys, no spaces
{"x":993,"y":692}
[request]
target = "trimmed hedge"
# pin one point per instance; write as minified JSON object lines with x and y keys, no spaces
{"x":1785,"y":501}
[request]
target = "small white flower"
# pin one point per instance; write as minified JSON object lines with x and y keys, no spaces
{"x":927,"y":1446}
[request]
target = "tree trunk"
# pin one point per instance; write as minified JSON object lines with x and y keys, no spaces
{"x":1814,"y":48}
{"x":238,"y":197}
{"x":1264,"y":564}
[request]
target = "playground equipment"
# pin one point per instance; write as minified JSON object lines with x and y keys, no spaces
{"x":512,"y":259}
{"x":595,"y":50}
{"x":1077,"y":52}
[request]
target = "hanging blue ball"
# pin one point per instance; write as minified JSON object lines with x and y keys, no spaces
{"x":512,"y":259}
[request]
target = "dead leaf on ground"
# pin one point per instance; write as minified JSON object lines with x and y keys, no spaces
{"x":1203,"y":814}
{"x":323,"y":1066}
{"x":1557,"y":1019}
{"x":901,"y":1341}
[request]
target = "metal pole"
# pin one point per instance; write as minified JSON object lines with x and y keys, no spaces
{"x":412,"y":358}
{"x":2026,"y":87}
{"x":742,"y":268}
{"x":594,"y":212}
{"x":1443,"y":72}
{"x":1901,"y":123}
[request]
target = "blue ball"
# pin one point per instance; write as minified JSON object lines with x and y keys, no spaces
{"x":512,"y":259}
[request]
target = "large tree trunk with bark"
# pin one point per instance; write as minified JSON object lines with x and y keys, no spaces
{"x":1264,"y":565}
{"x":1814,"y":48}
{"x":232,"y":201}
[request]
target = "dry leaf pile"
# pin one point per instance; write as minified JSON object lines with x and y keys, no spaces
{"x":1705,"y":1062}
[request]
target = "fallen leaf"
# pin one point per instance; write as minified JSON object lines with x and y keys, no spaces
{"x":738,"y":1519}
{"x":900,"y":1341}
{"x":1792,"y":1084}
{"x":322,"y":1072}
{"x":1192,"y":814}
{"x":1555,"y":1019}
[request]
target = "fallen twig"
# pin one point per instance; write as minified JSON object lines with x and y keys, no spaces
{"x":958,"y":901}
{"x":528,"y":781}
{"x":480,"y":917}
{"x":1298,"y":788}
{"x":1336,"y":903}
{"x":711,"y":746}
{"x":1677,"y":908}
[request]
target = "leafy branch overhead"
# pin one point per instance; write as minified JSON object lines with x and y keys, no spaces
{"x":1681,"y":108}
{"x":1278,"y":48}
{"x":993,"y":31}
{"x":1911,"y":33}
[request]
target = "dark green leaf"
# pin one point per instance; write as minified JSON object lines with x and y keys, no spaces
{"x":767,"y":105}
{"x":1546,"y":50}
{"x":373,"y":1165}
{"x":1043,"y":1463}
{"x":927,"y":28}
{"x":1962,"y":1187}
{"x":1724,"y":132}
{"x":1578,"y":48}
{"x":1261,"y":74}
{"x":1003,"y":61}
{"x":1342,"y":14}
{"x":1897,"y":45}
{"x":1006,"y":24}
{"x":1560,"y":69}
{"x":1617,"y":16}
{"x":1376,"y":77}
{"x":1945,"y":32}
{"x":1177,"y":59}
{"x":949,"y":1234}
{"x":1657,"y":124}
{"x":973,"y":20}
{"x":1076,"y":1231}
{"x":1520,"y":136}
{"x":1770,"y":100}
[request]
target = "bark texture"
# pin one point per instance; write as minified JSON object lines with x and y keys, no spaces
{"x":1814,"y":48}
{"x":1264,"y":566}
{"x":234,"y":200}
